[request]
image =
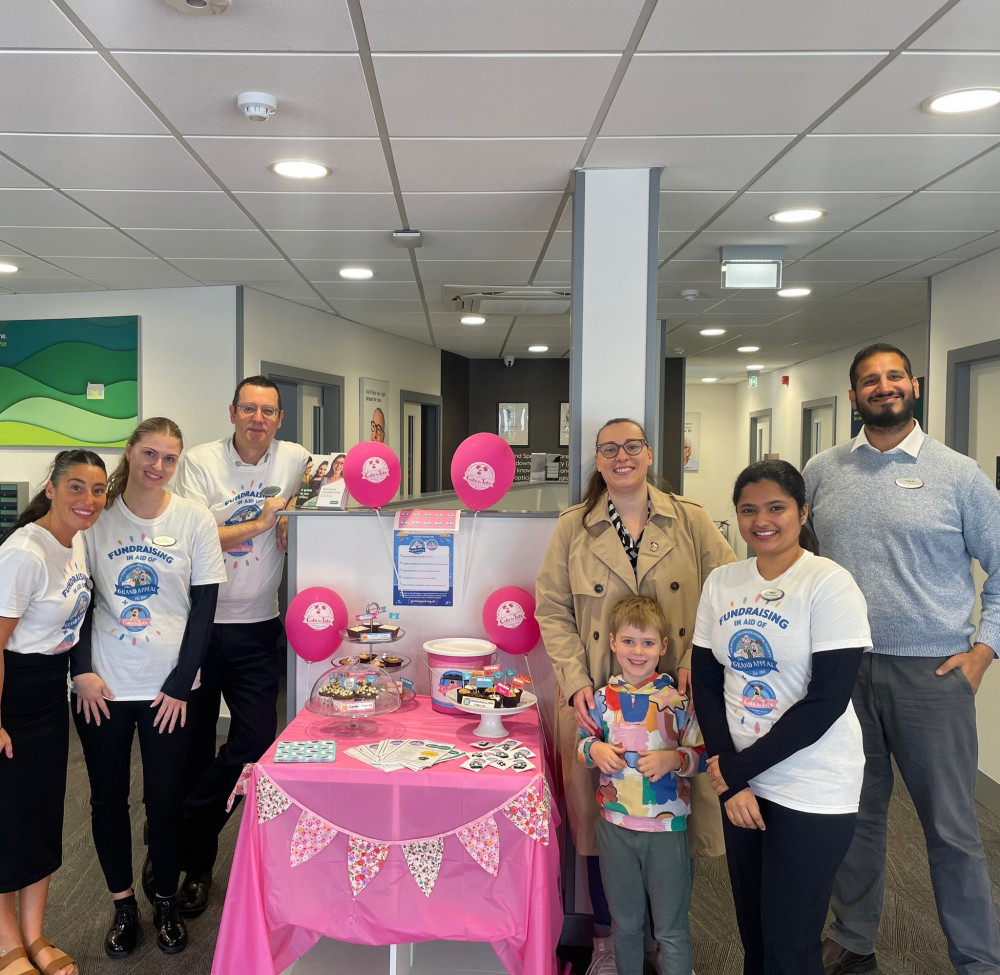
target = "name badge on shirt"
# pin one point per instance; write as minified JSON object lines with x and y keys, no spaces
{"x":772,"y":594}
{"x":164,"y":541}
{"x":909,"y":482}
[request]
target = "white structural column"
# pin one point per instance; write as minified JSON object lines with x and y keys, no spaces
{"x":617,"y":357}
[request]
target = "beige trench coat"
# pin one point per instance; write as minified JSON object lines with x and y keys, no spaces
{"x":581,"y":579}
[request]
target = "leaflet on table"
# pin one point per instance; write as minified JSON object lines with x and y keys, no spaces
{"x":392,"y":754}
{"x":323,"y":485}
{"x":424,"y":568}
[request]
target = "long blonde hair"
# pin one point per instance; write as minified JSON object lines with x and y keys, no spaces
{"x":118,"y":478}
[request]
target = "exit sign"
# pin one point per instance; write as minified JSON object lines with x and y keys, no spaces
{"x":751,"y":382}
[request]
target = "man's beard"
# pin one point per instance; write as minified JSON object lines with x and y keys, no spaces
{"x":886,"y":419}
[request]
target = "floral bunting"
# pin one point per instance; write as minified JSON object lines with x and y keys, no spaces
{"x":530,"y":811}
{"x":240,"y":789}
{"x":364,"y":860}
{"x":423,"y":857}
{"x":312,"y":834}
{"x":271,"y":801}
{"x":482,"y":840}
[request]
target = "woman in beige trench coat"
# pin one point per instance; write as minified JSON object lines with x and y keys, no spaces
{"x":586,"y":571}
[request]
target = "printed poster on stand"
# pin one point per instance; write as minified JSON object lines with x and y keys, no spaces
{"x":423,"y":550}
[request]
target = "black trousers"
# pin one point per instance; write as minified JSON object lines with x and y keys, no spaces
{"x":244,"y":664}
{"x":107,"y":749}
{"x":782,"y":878}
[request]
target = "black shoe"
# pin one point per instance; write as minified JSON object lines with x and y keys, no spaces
{"x":171,"y":931}
{"x":193,"y":896}
{"x":123,"y":935}
{"x":838,"y":960}
{"x":148,"y":883}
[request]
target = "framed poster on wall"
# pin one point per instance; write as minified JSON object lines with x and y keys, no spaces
{"x":692,"y":438}
{"x":69,"y":382}
{"x":374,"y":409}
{"x":512,"y":423}
{"x":564,"y":424}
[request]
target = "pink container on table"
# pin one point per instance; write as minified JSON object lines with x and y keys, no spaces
{"x":450,"y":657}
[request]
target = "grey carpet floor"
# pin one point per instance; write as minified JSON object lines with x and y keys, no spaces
{"x":79,"y":910}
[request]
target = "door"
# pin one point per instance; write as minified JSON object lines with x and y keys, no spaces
{"x":760,"y":435}
{"x":819,"y":426}
{"x":412,"y":452}
{"x":420,"y":443}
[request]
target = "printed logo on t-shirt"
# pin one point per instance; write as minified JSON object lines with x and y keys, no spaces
{"x":248,"y":512}
{"x":758,"y":697}
{"x":134,"y":618}
{"x":751,"y":654}
{"x":137,"y":582}
{"x":79,"y":609}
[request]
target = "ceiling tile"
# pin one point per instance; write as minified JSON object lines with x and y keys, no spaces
{"x":922,"y":270}
{"x":51,"y":242}
{"x":983,"y":174}
{"x":729,"y":91}
{"x":69,"y":91}
{"x":481,"y":211}
{"x":323,"y":211}
{"x":452,"y":165}
{"x":842,"y":210}
{"x":318,"y":25}
{"x":94,"y":162}
{"x":782,"y":25}
{"x":14,"y":176}
{"x":221,"y":271}
{"x":30,"y":267}
{"x":514,"y":25}
{"x":971,"y":25}
{"x":797,"y":243}
{"x":903,"y":291}
{"x":42,"y":286}
{"x":327,"y":270}
{"x":207,"y":243}
{"x":871,"y":163}
{"x":318,"y":95}
{"x":893,"y":245}
{"x":37,"y":23}
{"x":369,"y":290}
{"x":492,"y":96}
{"x":127,"y":272}
{"x":491,"y":246}
{"x":42,"y":208}
{"x":176,"y":209}
{"x":942,"y":211}
{"x":808,"y":271}
{"x":242,"y":163}
{"x":688,"y":211}
{"x":359,"y":246}
{"x":494,"y":274}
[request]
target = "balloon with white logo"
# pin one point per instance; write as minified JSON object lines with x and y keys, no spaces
{"x":372,"y":473}
{"x":509,"y":620}
{"x":482,"y":470}
{"x":313,"y":622}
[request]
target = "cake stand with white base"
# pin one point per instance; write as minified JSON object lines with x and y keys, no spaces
{"x":491,"y":719}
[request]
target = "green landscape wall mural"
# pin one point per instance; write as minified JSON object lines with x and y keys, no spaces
{"x":69,"y":381}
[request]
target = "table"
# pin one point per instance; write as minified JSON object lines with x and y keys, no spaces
{"x":275,"y":912}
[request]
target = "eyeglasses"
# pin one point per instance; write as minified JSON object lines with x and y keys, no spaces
{"x":248,"y":409}
{"x":610,"y":449}
{"x":377,"y":427}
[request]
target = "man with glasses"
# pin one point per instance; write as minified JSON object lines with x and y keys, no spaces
{"x":244,"y":479}
{"x":378,"y":425}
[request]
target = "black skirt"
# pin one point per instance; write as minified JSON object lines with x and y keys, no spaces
{"x":35,"y":714}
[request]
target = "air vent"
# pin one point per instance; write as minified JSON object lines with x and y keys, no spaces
{"x":508,"y":301}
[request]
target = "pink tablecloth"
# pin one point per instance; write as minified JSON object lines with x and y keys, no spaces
{"x":274,"y":912}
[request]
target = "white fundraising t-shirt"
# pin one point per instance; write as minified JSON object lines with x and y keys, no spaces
{"x":213,"y":475}
{"x":766,"y":642}
{"x":46,"y":587}
{"x":143,"y":571}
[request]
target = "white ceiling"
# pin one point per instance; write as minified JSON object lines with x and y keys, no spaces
{"x":125,"y":163}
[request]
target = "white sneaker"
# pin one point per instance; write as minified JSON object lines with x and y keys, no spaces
{"x":603,"y":960}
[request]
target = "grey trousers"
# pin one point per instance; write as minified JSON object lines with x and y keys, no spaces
{"x":928,"y":724}
{"x":634,"y":865}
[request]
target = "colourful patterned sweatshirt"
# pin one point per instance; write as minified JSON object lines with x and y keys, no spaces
{"x":653,"y":717}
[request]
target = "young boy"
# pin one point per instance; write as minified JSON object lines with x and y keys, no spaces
{"x":649,"y":745}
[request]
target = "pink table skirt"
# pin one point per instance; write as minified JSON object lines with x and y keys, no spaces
{"x":275,"y":912}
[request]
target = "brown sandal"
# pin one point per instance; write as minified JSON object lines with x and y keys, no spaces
{"x":16,"y":954}
{"x":62,"y":960}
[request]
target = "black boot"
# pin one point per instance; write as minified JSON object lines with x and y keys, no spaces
{"x":123,"y":935}
{"x":171,"y":931}
{"x":193,"y":896}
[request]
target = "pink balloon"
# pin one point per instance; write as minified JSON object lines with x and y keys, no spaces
{"x":313,"y":622}
{"x":372,"y":473}
{"x":482,"y":470}
{"x":509,"y":620}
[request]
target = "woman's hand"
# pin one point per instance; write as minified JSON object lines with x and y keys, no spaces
{"x":608,"y":758}
{"x":715,"y":776}
{"x":656,"y":764}
{"x":91,"y":697}
{"x":743,"y":810}
{"x":6,"y":748}
{"x":170,"y":710}
{"x":583,"y":704}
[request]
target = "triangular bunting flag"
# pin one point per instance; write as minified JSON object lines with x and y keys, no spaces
{"x":364,"y":860}
{"x":482,"y":840}
{"x":240,"y":789}
{"x":311,"y":835}
{"x":271,"y":801}
{"x":530,"y":812}
{"x":423,"y":857}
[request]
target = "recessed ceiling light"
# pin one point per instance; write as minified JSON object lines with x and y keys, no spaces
{"x":748,"y":348}
{"x":963,"y":100}
{"x":538,"y":348}
{"x":756,"y":365}
{"x":797,"y":215}
{"x":473,"y":320}
{"x":356,"y":273}
{"x":794,"y":292}
{"x":712,"y":331}
{"x":709,"y":379}
{"x":8,"y":268}
{"x":300,"y":169}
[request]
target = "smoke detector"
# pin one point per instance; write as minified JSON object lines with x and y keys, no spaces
{"x":200,"y":8}
{"x":689,"y":294}
{"x":258,"y":106}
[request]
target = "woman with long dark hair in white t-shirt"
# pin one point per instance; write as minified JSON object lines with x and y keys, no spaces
{"x":157,"y":566}
{"x":778,"y":644}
